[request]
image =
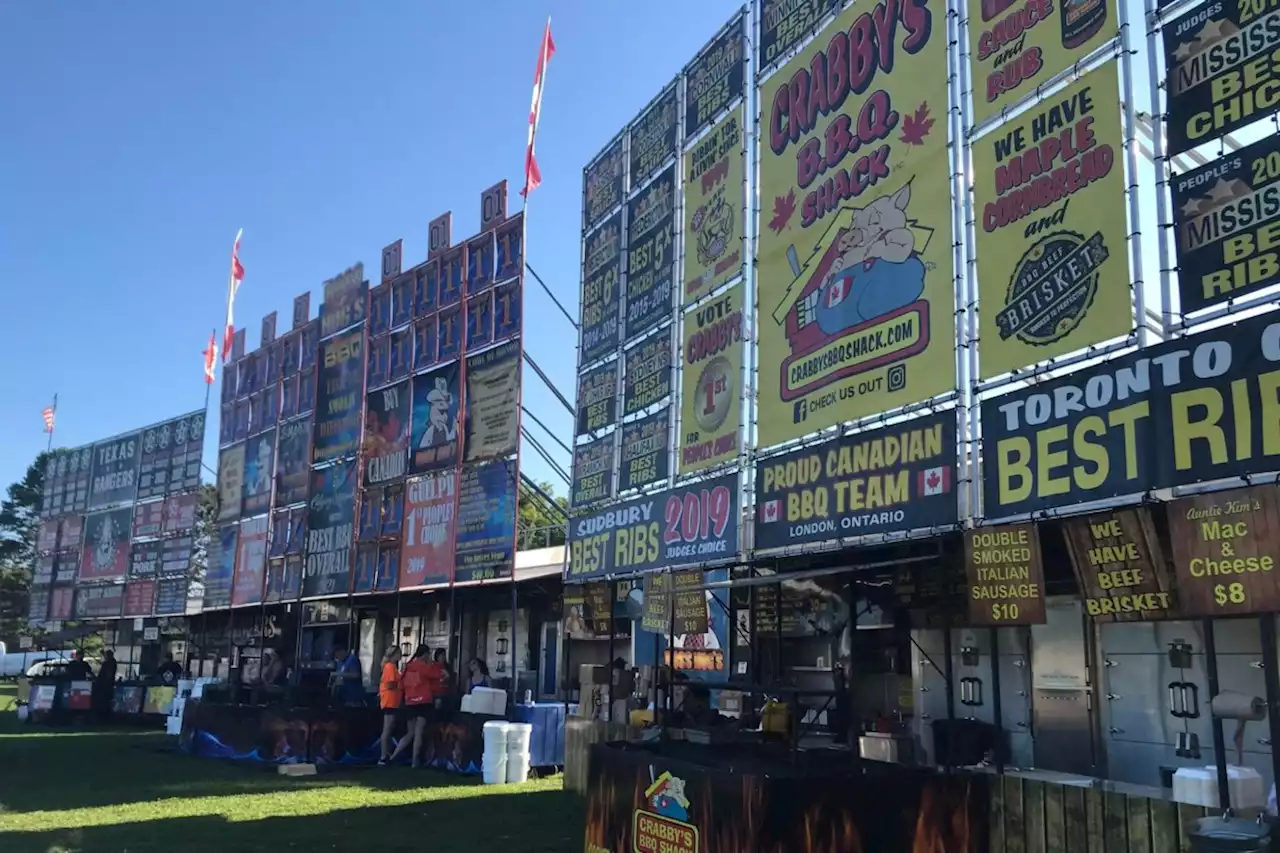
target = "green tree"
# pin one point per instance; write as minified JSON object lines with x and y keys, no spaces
{"x":541,"y":523}
{"x":19,"y":521}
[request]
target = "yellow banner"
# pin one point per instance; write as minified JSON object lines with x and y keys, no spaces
{"x":711,"y":394}
{"x":713,"y":208}
{"x":1017,"y":45}
{"x":1048,"y":187}
{"x":855,"y":267}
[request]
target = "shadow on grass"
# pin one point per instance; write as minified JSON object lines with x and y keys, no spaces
{"x":520,"y":822}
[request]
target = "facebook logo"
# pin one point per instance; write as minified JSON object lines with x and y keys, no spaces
{"x":800,"y":411}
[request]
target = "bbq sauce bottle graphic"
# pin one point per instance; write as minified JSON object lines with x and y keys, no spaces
{"x":1081,"y":20}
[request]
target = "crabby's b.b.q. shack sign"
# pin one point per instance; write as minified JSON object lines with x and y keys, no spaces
{"x":855,"y":272}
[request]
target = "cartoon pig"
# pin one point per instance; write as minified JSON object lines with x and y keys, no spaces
{"x":877,"y":271}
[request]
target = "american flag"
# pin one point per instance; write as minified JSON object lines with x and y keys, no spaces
{"x":233,"y":284}
{"x":532,"y":176}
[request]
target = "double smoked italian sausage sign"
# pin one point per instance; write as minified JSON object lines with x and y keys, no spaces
{"x":1203,"y":407}
{"x":1006,"y":575}
{"x":690,"y":525}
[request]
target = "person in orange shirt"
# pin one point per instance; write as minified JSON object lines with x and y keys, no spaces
{"x":390,"y":697}
{"x":420,"y":685}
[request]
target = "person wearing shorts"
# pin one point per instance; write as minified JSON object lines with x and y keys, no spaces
{"x":390,"y":698}
{"x":419,"y":702}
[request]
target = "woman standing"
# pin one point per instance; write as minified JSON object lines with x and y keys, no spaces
{"x":419,"y":697}
{"x":479,"y":674}
{"x":390,"y":697}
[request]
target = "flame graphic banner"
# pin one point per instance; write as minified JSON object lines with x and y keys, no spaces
{"x":640,"y":801}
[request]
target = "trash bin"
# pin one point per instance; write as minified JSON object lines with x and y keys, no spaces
{"x":1230,"y":835}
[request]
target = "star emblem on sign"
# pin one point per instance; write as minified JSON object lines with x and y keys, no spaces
{"x":164,"y":436}
{"x":1192,"y":207}
{"x":149,"y":441}
{"x":1222,"y":191}
{"x":180,"y":433}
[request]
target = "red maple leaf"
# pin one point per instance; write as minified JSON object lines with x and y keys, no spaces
{"x":916,"y":126}
{"x":934,"y":479}
{"x":783,"y":207}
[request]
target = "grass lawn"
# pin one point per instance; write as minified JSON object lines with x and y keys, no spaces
{"x":64,"y":791}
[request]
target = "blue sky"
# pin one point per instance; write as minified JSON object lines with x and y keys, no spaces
{"x":140,"y":135}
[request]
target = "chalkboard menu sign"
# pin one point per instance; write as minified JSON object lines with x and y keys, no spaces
{"x":656,"y":616}
{"x":690,"y":603}
{"x":1226,"y":551}
{"x":1006,"y":575}
{"x":766,"y":609}
{"x":599,"y":607}
{"x":1120,"y":566}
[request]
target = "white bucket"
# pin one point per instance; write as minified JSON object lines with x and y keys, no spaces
{"x":519,"y":736}
{"x":495,"y":771}
{"x":517,"y":767}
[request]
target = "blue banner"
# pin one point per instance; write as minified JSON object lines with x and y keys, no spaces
{"x":436,"y":419}
{"x":330,"y":530}
{"x":486,"y":522}
{"x":222,"y":569}
{"x":339,"y":397}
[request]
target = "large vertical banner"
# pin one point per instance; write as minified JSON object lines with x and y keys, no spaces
{"x":493,"y":402}
{"x":436,"y":419}
{"x":646,"y":451}
{"x":1049,"y":194}
{"x":711,"y":396}
{"x":784,"y":23}
{"x":714,"y":208}
{"x":597,"y":398}
{"x":222,"y":568}
{"x":259,"y":466}
{"x":593,"y":465}
{"x":430,"y":530}
{"x":854,"y":277}
{"x":115,"y":471}
{"x":486,"y":527}
{"x":331,"y":522}
{"x":601,"y":286}
{"x":1219,"y":72}
{"x":230,"y":482}
{"x":653,"y":137}
{"x":647,"y":373}
{"x":1014,"y":48}
{"x":293,"y":455}
{"x":251,"y":562}
{"x":1225,"y":214}
{"x":106,"y":545}
{"x":715,"y":78}
{"x":340,"y":398}
{"x":386,"y":434}
{"x":345,"y":298}
{"x":602,"y":186}
{"x":650,"y":254}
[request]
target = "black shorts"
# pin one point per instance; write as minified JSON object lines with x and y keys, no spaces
{"x":425,"y":711}
{"x":393,"y":713}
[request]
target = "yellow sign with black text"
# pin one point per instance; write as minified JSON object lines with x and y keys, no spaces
{"x":855,"y":264}
{"x":711,"y":393}
{"x":1053,"y":274}
{"x":713,"y":208}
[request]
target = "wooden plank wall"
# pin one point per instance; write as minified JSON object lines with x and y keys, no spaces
{"x":1029,"y":816}
{"x":579,"y":735}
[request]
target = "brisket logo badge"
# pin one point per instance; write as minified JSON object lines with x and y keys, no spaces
{"x":1052,"y":287}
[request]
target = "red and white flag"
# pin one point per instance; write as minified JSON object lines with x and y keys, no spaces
{"x":935,"y":481}
{"x":233,"y":284}
{"x":210,"y":358}
{"x":48,"y":415}
{"x":532,"y":176}
{"x":770,"y":511}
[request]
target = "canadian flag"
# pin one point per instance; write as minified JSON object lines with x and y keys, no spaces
{"x":770,"y":510}
{"x":233,"y":285}
{"x":935,"y":481}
